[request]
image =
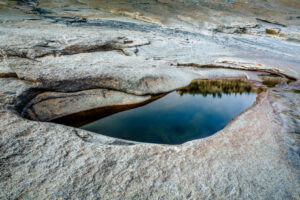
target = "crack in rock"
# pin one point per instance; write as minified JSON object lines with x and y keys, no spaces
{"x":47,"y":48}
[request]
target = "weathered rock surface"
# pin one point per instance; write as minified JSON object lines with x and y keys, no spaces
{"x":71,"y":53}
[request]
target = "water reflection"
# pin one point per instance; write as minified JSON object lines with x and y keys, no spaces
{"x":217,"y":87}
{"x":186,"y":114}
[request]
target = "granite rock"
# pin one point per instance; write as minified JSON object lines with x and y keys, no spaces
{"x":74,"y":55}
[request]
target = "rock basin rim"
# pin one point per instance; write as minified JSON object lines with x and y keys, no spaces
{"x":257,"y":86}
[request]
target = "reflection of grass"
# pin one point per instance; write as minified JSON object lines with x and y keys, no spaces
{"x":218,"y":87}
{"x":270,"y":81}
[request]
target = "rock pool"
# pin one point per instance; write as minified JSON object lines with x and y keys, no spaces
{"x":186,"y":114}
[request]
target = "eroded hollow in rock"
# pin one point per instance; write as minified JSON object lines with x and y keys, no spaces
{"x":195,"y":111}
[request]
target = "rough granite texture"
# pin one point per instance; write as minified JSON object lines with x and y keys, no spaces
{"x":75,"y":55}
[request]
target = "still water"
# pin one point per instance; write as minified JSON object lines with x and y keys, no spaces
{"x":183,"y":115}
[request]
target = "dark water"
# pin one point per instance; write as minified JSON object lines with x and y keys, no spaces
{"x":177,"y":117}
